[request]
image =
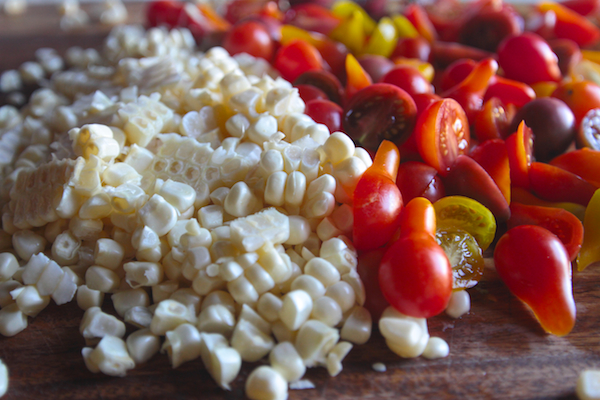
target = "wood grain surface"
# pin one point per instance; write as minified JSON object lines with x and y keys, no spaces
{"x":497,"y":351}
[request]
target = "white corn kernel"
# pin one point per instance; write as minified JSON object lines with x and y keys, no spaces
{"x":169,"y":314}
{"x":326,"y":310}
{"x":179,"y":195}
{"x":210,"y":216}
{"x":163,"y":290}
{"x":196,"y":259}
{"x":27,"y":243}
{"x":459,"y":304}
{"x":182,"y":344}
{"x":5,"y":289}
{"x":142,"y":345}
{"x":97,"y":324}
{"x":282,"y":333}
{"x":319,"y":206}
{"x":299,"y":230}
{"x":139,"y":158}
{"x":327,"y":229}
{"x":65,"y":249}
{"x":242,"y":290}
{"x":29,"y":300}
{"x":8,"y":266}
{"x":348,"y":173}
{"x":126,"y":299}
{"x":102,"y":279}
{"x":55,"y":228}
{"x":343,"y":219}
{"x":188,"y":297}
{"x":67,"y":287}
{"x":111,"y":356}
{"x":275,"y":188}
{"x":259,"y":278}
{"x":120,"y":173}
{"x":253,"y":232}
{"x":343,"y":294}
{"x":86,"y":229}
{"x":222,"y":362}
{"x":337,"y":252}
{"x":88,"y":298}
{"x":147,"y":244}
{"x":314,"y":341}
{"x":108,"y":253}
{"x":248,"y":314}
{"x":323,"y":270}
{"x":219,"y":297}
{"x":140,"y":273}
{"x":405,"y":336}
{"x":357,"y":327}
{"x":138,"y":316}
{"x":237,"y":125}
{"x":3,"y":378}
{"x":285,"y":359}
{"x":275,"y":263}
{"x":34,"y":268}
{"x":12,"y":320}
{"x":203,"y":284}
{"x":310,"y":285}
{"x":262,"y":129}
{"x":296,"y":308}
{"x":336,"y":356}
{"x":241,"y":201}
{"x":216,"y":318}
{"x":353,"y":279}
{"x":588,"y":385}
{"x":265,"y":383}
{"x":268,"y":306}
{"x":158,"y":215}
{"x":436,"y":348}
{"x":89,"y":364}
{"x":252,"y":343}
{"x":295,"y":188}
{"x":338,"y":147}
{"x":31,"y":72}
{"x":49,"y":279}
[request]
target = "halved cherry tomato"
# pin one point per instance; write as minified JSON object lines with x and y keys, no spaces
{"x":377,"y":200}
{"x":325,"y":81}
{"x":297,"y":57}
{"x":442,"y":134}
{"x":570,"y":25}
{"x":464,"y":254}
{"x":555,"y":184}
{"x":417,"y":15}
{"x":415,"y":275}
{"x":588,"y":134}
{"x":535,"y":266}
{"x":456,"y":72}
{"x":493,"y":120}
{"x":584,"y":163}
{"x":562,"y":223}
{"x":509,"y":91}
{"x":519,"y":146}
{"x":469,"y":215}
{"x":493,"y":157}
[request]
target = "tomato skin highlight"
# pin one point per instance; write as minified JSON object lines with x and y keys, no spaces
{"x":535,"y":266}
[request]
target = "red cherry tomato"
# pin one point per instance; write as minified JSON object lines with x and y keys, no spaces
{"x":456,"y":72}
{"x":297,"y":57}
{"x":493,"y":157}
{"x":528,"y":58}
{"x":416,"y":47}
{"x":493,"y":120}
{"x":442,"y":134}
{"x":509,"y":91}
{"x":415,"y":275}
{"x":535,"y":266}
{"x":570,"y":25}
{"x":419,"y":179}
{"x":164,"y":12}
{"x":519,"y":146}
{"x":418,"y":17}
{"x":326,"y":112}
{"x":249,"y":37}
{"x":561,"y":222}
{"x":310,"y":92}
{"x":377,"y":200}
{"x":409,"y":79}
{"x":368,"y":269}
{"x":311,"y":17}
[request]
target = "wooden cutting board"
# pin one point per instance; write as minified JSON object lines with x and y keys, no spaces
{"x":497,"y":351}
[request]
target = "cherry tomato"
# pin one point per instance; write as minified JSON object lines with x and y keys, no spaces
{"x":445,"y":53}
{"x":419,"y":179}
{"x":296,"y":58}
{"x":375,"y":65}
{"x":379,"y":112}
{"x":488,"y":27}
{"x":464,"y":255}
{"x":310,"y":92}
{"x":588,"y":134}
{"x":312,"y":17}
{"x":555,"y":184}
{"x":325,"y":112}
{"x":164,"y":12}
{"x":568,"y":53}
{"x":249,"y":37}
{"x":552,"y":123}
{"x":415,"y":275}
{"x":416,"y":47}
{"x":584,"y":163}
{"x":493,"y":157}
{"x":561,"y":222}
{"x":509,"y":91}
{"x":469,"y":215}
{"x":409,"y":79}
{"x":570,"y":25}
{"x":377,"y":200}
{"x":528,"y":58}
{"x":442,"y":134}
{"x":535,"y":266}
{"x":456,"y":72}
{"x":417,"y":15}
{"x":325,"y":81}
{"x":356,"y":77}
{"x":582,"y":7}
{"x":580,"y":96}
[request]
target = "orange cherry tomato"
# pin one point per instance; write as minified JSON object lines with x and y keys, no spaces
{"x":519,"y":146}
{"x":580,"y":96}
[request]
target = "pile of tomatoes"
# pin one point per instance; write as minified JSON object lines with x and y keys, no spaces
{"x":484,"y":125}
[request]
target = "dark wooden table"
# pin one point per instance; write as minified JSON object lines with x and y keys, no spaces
{"x":496,"y":351}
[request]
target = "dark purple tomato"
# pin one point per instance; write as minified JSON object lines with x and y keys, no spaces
{"x":325,"y":81}
{"x":326,"y":112}
{"x":417,"y":47}
{"x":310,"y":92}
{"x":487,"y":28}
{"x":419,"y":179}
{"x":376,"y":66}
